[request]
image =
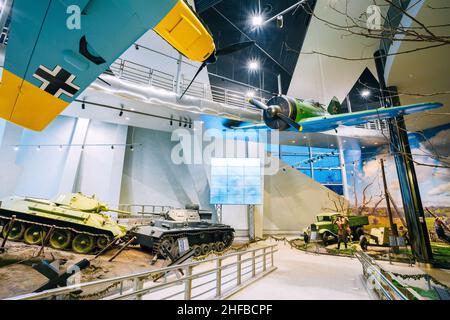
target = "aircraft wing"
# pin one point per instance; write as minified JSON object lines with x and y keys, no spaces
{"x":49,"y":63}
{"x":330,"y":122}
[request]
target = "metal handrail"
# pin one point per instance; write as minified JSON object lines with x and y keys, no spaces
{"x":139,"y":280}
{"x":145,"y":209}
{"x":372,"y":271}
{"x":138,"y":73}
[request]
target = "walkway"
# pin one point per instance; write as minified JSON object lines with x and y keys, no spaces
{"x":306,"y":276}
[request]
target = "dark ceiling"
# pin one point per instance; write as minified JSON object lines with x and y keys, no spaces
{"x":281,"y":46}
{"x":366,"y":82}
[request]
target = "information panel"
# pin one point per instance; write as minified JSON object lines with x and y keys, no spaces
{"x":236,"y":181}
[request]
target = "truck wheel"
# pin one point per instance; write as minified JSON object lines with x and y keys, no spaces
{"x":358,"y":233}
{"x":364,"y":243}
{"x":325,"y":238}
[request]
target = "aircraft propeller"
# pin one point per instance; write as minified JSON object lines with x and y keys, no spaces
{"x":275,"y":112}
{"x":213,"y":58}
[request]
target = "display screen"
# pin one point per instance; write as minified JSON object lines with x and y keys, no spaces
{"x":236,"y":181}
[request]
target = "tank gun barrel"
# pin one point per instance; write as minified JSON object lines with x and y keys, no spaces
{"x":119,"y":211}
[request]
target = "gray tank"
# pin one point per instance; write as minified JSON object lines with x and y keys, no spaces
{"x":174,"y":227}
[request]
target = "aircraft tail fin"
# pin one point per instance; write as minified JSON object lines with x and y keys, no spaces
{"x":335,"y":106}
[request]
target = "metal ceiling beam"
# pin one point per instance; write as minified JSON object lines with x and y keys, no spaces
{"x":256,"y":43}
{"x":203,"y":5}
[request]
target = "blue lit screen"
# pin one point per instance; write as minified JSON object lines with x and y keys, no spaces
{"x":236,"y":181}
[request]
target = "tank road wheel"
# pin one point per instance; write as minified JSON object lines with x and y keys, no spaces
{"x":169,"y":244}
{"x":228,"y":239}
{"x":83,"y":244}
{"x":205,"y":248}
{"x":102,"y":242}
{"x":16,"y":233}
{"x":34,"y":235}
{"x":213,"y":246}
{"x":220,"y":246}
{"x":60,"y":239}
{"x":197,"y":250}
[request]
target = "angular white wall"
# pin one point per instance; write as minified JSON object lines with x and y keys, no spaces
{"x":292,"y":200}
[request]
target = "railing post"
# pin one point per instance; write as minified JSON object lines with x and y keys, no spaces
{"x":138,"y":284}
{"x":219,"y":277}
{"x":188,"y":284}
{"x":239,"y":269}
{"x":253,"y":264}
{"x":264,"y":260}
{"x":271,"y":255}
{"x":122,"y":66}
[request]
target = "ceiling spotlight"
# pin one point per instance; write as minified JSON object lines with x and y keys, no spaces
{"x":16,"y":148}
{"x":82,"y":147}
{"x":365,"y":93}
{"x":127,"y":118}
{"x":121,"y":113}
{"x":136,"y":46}
{"x":112,"y":147}
{"x":257,"y":21}
{"x":38,"y":148}
{"x":250,"y":94}
{"x":132,"y":148}
{"x":60,"y":148}
{"x":253,"y":65}
{"x":83,"y":106}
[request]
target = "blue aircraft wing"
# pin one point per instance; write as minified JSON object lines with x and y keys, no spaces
{"x":330,"y":122}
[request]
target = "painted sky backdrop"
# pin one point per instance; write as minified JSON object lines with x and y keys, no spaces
{"x":432,"y":148}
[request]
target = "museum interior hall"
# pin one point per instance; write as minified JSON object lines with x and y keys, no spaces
{"x":224,"y":150}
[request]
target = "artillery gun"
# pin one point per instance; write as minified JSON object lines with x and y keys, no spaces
{"x":74,"y":221}
{"x":178,"y":228}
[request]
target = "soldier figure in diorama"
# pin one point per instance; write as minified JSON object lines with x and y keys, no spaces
{"x":344,"y":231}
{"x":441,"y":229}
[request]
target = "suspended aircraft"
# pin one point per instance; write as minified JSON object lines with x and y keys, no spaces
{"x":48,"y":65}
{"x":287,"y":113}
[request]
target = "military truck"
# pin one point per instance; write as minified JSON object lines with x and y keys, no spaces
{"x":79,"y":222}
{"x":179,"y":229}
{"x":327,"y":230}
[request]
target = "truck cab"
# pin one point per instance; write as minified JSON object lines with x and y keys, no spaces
{"x":326,"y":230}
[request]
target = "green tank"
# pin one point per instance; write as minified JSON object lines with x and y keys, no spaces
{"x":79,"y":222}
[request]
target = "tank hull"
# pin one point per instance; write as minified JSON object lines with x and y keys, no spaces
{"x":203,"y":237}
{"x":6,"y":215}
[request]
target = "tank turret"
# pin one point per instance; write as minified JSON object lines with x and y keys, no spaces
{"x":77,"y":221}
{"x":81,"y":202}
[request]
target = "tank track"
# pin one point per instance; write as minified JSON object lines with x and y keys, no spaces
{"x":5,"y":220}
{"x":187,"y":234}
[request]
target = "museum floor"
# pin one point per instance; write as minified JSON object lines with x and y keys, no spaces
{"x":303,"y":275}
